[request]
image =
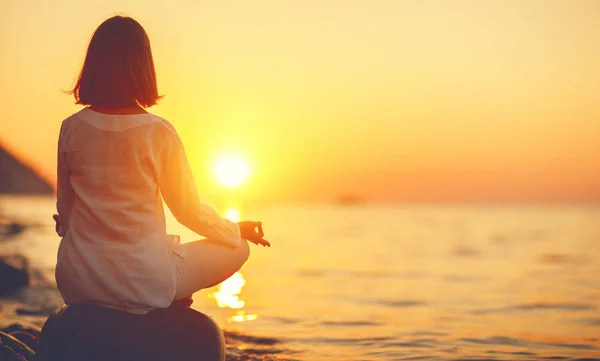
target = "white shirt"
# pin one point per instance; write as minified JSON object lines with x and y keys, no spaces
{"x":113,"y":173}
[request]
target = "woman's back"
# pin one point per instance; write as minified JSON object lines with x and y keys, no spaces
{"x":113,"y":162}
{"x":116,"y":225}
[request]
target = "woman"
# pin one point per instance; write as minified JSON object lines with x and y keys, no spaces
{"x":116,"y":164}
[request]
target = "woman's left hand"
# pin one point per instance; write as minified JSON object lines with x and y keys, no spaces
{"x":248,"y":230}
{"x":57,"y":223}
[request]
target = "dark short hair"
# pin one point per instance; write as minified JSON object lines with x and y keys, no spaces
{"x":118,"y":70}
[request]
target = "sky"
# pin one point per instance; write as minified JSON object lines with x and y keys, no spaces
{"x":393,"y":100}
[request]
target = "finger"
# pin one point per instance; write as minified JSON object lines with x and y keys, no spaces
{"x":261,"y":241}
{"x":261,"y":233}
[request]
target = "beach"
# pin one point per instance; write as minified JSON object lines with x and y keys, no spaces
{"x":382,"y":282}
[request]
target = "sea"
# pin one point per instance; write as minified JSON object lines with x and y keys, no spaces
{"x":384,"y":282}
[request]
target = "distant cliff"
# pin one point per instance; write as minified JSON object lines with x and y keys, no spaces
{"x":17,"y":178}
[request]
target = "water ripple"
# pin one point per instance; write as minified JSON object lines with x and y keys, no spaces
{"x":413,"y":344}
{"x":285,"y":320}
{"x":250,"y":339}
{"x":464,"y":278}
{"x":465,"y":251}
{"x":402,"y":303}
{"x":386,"y":274}
{"x":367,"y":341}
{"x":516,"y":353}
{"x":591,"y":322}
{"x":561,"y":258}
{"x":429,"y":333}
{"x":537,"y":307}
{"x":350,"y":323}
{"x":555,"y":306}
{"x":368,"y":274}
{"x":511,"y":341}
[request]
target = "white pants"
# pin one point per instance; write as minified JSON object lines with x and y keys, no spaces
{"x":204,"y":264}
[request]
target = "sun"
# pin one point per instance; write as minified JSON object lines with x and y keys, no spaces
{"x":232,"y":214}
{"x":231,"y":170}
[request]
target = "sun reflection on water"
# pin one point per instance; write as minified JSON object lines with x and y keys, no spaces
{"x":241,"y":316}
{"x":228,"y":296}
{"x":228,"y":292}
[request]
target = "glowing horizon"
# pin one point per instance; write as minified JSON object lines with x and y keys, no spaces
{"x":391,"y":100}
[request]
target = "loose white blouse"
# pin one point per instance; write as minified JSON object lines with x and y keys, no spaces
{"x":113,"y":173}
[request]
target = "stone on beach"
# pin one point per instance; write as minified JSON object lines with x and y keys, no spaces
{"x":26,"y":335}
{"x":13,"y":349}
{"x":14,"y":273}
{"x":89,"y":332}
{"x":9,"y":229}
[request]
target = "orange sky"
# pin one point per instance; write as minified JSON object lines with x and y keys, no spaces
{"x":397,"y":100}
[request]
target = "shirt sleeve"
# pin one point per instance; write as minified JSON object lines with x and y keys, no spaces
{"x":64,"y":190}
{"x":178,"y":188}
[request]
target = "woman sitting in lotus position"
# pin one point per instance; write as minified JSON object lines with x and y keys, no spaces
{"x":116,"y":164}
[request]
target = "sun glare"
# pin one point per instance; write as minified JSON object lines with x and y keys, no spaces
{"x":232,"y":214}
{"x":231,"y":170}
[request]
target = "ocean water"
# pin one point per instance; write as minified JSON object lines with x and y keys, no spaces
{"x":391,"y":282}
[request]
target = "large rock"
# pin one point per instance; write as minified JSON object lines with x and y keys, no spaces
{"x":94,"y":333}
{"x":18,"y":178}
{"x":14,"y":274}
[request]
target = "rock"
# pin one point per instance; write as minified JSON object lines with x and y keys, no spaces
{"x":18,"y":178}
{"x":13,"y":349}
{"x":27,"y":335}
{"x":40,"y":311}
{"x":11,"y":229}
{"x":89,"y":332}
{"x":14,"y":274}
{"x":7,"y":354}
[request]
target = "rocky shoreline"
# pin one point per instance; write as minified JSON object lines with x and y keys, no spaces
{"x":20,"y":341}
{"x":28,"y":303}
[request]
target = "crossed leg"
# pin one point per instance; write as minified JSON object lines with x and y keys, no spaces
{"x":207,"y":264}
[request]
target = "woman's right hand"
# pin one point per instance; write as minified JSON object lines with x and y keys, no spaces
{"x":248,"y":231}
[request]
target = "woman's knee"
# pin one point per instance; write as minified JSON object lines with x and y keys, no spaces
{"x":243,"y":252}
{"x":236,"y":259}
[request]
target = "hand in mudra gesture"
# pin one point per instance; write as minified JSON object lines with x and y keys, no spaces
{"x":253,"y":232}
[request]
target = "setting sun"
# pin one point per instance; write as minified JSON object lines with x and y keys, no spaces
{"x":231,"y":170}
